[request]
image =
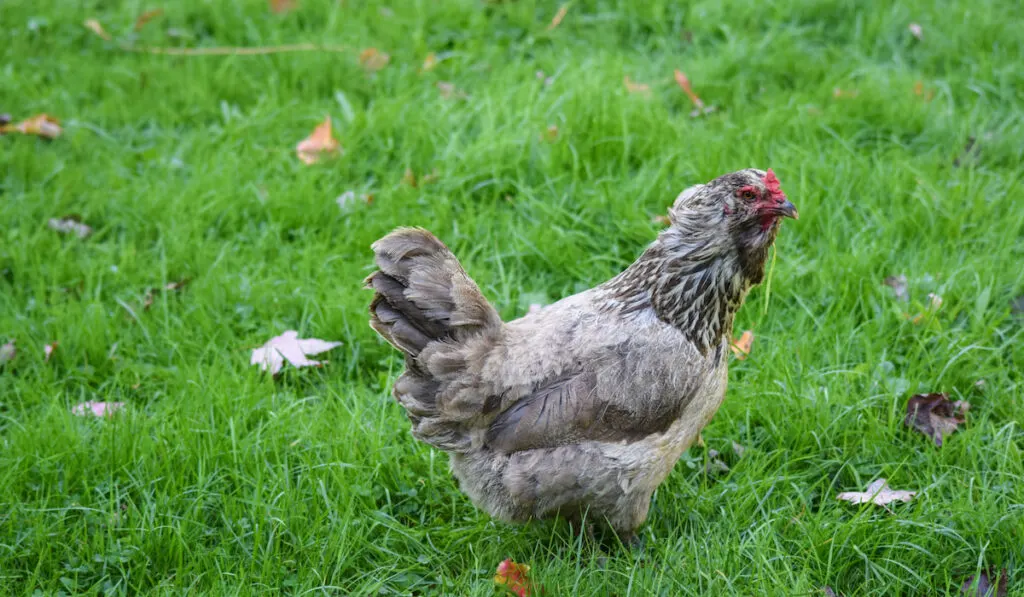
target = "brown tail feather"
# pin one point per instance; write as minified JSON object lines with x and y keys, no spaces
{"x":422,"y":295}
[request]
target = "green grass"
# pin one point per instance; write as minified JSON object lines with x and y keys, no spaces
{"x":219,"y":480}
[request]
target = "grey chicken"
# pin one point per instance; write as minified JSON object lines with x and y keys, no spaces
{"x":586,"y":404}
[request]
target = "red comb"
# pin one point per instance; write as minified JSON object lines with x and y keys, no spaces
{"x":773,"y":185}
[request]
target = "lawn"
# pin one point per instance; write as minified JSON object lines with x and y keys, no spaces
{"x":543,"y":172}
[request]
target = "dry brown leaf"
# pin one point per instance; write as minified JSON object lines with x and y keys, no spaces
{"x":94,"y":26}
{"x":899,"y":287}
{"x":920,"y":91}
{"x":513,"y":577}
{"x":48,"y":351}
{"x":146,"y":17}
{"x":661,"y":220}
{"x":7,"y":352}
{"x":935,"y":415}
{"x":450,"y":91}
{"x":372,"y":59}
{"x":40,"y":125}
{"x":70,"y":224}
{"x":429,"y":62}
{"x":282,"y":6}
{"x":985,"y":586}
{"x":289,"y":347}
{"x":319,"y":144}
{"x":839,"y":93}
{"x":96,"y":409}
{"x":557,"y":19}
{"x":684,"y":83}
{"x":742,"y":345}
{"x":878,"y":493}
{"x":636,"y":88}
{"x":409,"y":178}
{"x":171,"y":286}
{"x":916,"y":30}
{"x":550,"y":134}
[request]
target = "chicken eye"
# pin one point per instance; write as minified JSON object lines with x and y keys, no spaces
{"x":747,"y":194}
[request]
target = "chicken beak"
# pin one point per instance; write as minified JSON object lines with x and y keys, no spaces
{"x":786,"y":209}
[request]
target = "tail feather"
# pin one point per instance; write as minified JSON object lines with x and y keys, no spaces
{"x":422,"y":295}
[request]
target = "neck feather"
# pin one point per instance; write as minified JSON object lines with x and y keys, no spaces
{"x":689,"y":285}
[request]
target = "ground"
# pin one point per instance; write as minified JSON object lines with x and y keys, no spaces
{"x":218,"y":479}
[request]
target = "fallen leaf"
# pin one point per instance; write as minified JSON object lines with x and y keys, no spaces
{"x":319,"y":144}
{"x":373,"y":59}
{"x":877,"y":493}
{"x":70,"y":224}
{"x":429,"y":62}
{"x":146,"y":17}
{"x":844,"y":93}
{"x":430,"y":177}
{"x":985,"y":588}
{"x":40,"y":125}
{"x":147,"y":301}
{"x":409,"y":178}
{"x":738,"y":450}
{"x":513,"y":577}
{"x":94,"y":26}
{"x":715,"y":464}
{"x":920,"y":91}
{"x":637,"y":88}
{"x":450,"y":91}
{"x":742,"y":345}
{"x":289,"y":347}
{"x":899,"y":287}
{"x":557,"y":19}
{"x":97,"y":409}
{"x":916,"y":30}
{"x":684,"y":83}
{"x":550,"y":134}
{"x":935,"y":415}
{"x":48,"y":351}
{"x":7,"y":352}
{"x":346,"y":199}
{"x":282,"y":6}
{"x":177,"y":285}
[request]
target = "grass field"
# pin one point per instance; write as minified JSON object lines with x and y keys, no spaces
{"x":216,"y":479}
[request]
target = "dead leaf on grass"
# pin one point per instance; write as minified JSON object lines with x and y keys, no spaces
{"x":636,"y":88}
{"x":741,"y":346}
{"x":916,"y":30}
{"x":348,"y":198}
{"x":684,"y":83}
{"x":985,"y":586}
{"x":373,"y":60}
{"x":550,"y":134}
{"x":844,"y":93}
{"x":94,"y":26}
{"x":514,"y":577}
{"x":146,"y":17}
{"x":147,"y":301}
{"x":40,"y":125}
{"x":70,"y":224}
{"x":48,"y":351}
{"x":429,"y":62}
{"x":449,"y":91}
{"x":935,"y":415}
{"x":921,"y":92}
{"x":410,"y":178}
{"x":282,"y":6}
{"x":96,"y":409}
{"x":7,"y":352}
{"x":319,"y":145}
{"x":289,"y":347}
{"x":557,"y":19}
{"x":878,"y":493}
{"x":899,"y":287}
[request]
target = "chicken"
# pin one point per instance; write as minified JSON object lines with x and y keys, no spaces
{"x":584,"y":405}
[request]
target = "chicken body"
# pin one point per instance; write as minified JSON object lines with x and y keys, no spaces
{"x":586,"y":404}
